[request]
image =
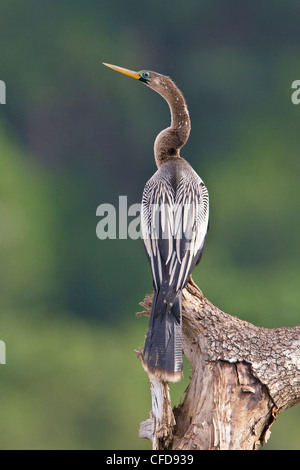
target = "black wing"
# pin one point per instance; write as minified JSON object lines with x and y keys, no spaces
{"x":174,"y":226}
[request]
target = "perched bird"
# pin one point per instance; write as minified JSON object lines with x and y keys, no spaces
{"x":174,"y":222}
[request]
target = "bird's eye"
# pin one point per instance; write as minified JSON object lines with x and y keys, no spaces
{"x":145,"y":74}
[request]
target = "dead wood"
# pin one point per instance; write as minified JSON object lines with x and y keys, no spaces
{"x":243,"y":376}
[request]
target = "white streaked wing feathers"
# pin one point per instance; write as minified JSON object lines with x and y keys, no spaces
{"x":174,"y":215}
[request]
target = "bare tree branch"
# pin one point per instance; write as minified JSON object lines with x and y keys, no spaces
{"x":243,"y":376}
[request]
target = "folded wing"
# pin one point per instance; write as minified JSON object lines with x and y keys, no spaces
{"x":174,"y":226}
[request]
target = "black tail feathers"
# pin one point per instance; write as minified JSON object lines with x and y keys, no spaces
{"x":162,"y":356}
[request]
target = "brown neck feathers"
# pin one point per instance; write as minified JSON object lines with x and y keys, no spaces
{"x":169,"y":141}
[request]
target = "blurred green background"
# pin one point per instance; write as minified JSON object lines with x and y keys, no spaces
{"x":75,"y":135}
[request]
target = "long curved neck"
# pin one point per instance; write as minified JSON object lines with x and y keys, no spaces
{"x":169,"y":141}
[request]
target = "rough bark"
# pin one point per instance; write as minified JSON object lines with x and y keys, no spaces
{"x":243,"y":376}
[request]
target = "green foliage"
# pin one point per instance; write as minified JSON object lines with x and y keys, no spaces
{"x":70,"y":385}
{"x":28,"y":222}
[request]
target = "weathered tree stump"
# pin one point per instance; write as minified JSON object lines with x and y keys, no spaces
{"x":243,"y":376}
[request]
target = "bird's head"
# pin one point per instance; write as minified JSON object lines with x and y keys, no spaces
{"x":170,"y":140}
{"x":153,"y":80}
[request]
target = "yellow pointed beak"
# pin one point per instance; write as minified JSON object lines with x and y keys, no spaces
{"x":130,"y":73}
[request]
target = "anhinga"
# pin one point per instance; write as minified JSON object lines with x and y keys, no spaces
{"x":174,"y":222}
